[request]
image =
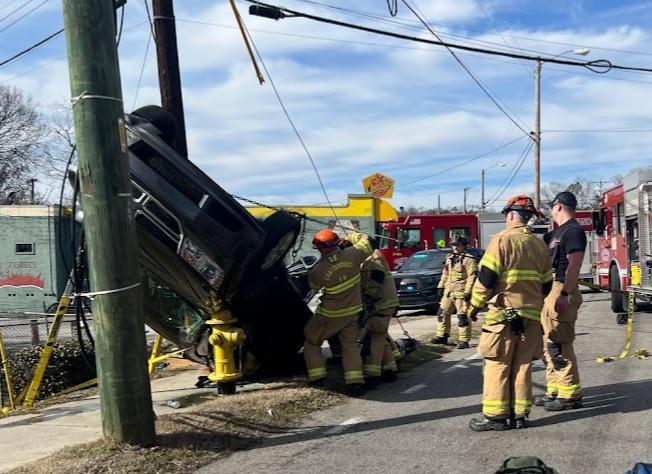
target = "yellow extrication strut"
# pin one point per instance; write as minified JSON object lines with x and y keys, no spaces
{"x":640,"y":353}
{"x":226,"y":339}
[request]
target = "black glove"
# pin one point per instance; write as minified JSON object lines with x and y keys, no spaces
{"x":472,"y":313}
{"x":467,"y":297}
{"x":440,"y":293}
{"x":558,"y":361}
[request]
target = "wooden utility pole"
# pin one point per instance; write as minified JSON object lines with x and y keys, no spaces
{"x":169,"y":77}
{"x":537,"y":134}
{"x":125,"y":396}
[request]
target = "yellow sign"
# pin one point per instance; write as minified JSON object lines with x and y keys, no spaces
{"x":379,"y":185}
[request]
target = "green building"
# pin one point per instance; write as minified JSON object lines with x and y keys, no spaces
{"x":32,"y":271}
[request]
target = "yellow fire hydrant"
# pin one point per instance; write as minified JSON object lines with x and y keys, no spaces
{"x":225,"y":339}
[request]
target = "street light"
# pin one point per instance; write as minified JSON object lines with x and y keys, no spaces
{"x":537,"y":121}
{"x":482,"y":201}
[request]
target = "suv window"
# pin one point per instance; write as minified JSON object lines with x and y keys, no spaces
{"x":425,"y":261}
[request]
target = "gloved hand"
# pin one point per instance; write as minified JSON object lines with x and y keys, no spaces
{"x":467,"y":297}
{"x":472,"y":313}
{"x":440,"y":293}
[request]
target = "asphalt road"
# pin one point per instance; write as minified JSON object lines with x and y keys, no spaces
{"x":420,"y":423}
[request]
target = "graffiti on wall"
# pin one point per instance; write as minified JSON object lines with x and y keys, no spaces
{"x":17,"y":274}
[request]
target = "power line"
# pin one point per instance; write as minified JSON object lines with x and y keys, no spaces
{"x":517,"y":167}
{"x":15,"y":10}
{"x":31,"y":48}
{"x":404,"y":23}
{"x":142,"y":70}
{"x":600,"y":66}
{"x":24,"y":15}
{"x":291,"y":122}
{"x":603,"y":130}
{"x":504,"y":145}
{"x":468,"y":71}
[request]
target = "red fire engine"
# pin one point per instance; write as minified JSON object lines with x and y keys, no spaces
{"x":413,"y":233}
{"x":625,"y":246}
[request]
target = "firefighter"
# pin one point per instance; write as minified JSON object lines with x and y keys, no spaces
{"x":514,"y":277}
{"x":567,"y":244}
{"x":381,"y":305}
{"x":337,"y":274}
{"x":460,"y":271}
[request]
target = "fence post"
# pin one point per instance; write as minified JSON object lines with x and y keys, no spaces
{"x":33,"y":325}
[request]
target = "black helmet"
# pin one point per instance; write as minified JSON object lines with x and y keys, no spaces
{"x":461,"y":240}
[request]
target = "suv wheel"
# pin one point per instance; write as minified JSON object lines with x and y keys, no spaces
{"x":281,"y":231}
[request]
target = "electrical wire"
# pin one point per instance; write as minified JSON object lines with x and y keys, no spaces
{"x":466,"y":162}
{"x":15,"y":10}
{"x":142,"y":71}
{"x":149,"y":18}
{"x":122,"y":22}
{"x":515,"y":170}
{"x":291,"y":122}
{"x":600,"y":66}
{"x":31,"y":48}
{"x":472,"y":75}
{"x":24,"y":15}
{"x":603,"y":130}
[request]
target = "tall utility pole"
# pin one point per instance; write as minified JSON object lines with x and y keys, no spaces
{"x":482,"y":191}
{"x":537,"y":134}
{"x":439,"y":203}
{"x":32,"y":196}
{"x":169,"y":77}
{"x":125,"y":396}
{"x":466,"y":190}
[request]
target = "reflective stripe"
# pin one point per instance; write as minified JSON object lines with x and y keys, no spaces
{"x":495,"y":407}
{"x":512,"y":276}
{"x":551,"y":389}
{"x":339,"y":313}
{"x":498,"y":316}
{"x":372,"y":369}
{"x":492,"y":263}
{"x":569,"y":391}
{"x":477,"y":300}
{"x":316,"y":373}
{"x":342,"y":287}
{"x":523,"y":403}
{"x":352,"y":376}
{"x":390,"y":367}
{"x":457,"y":275}
{"x":546,"y":277}
{"x":397,"y":354}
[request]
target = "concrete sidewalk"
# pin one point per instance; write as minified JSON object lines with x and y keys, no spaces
{"x":27,"y":438}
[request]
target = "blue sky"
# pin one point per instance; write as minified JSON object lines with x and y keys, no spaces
{"x":365,"y":103}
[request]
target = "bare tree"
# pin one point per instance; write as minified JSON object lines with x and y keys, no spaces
{"x":21,"y":139}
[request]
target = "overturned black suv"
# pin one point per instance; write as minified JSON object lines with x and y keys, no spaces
{"x":195,"y":240}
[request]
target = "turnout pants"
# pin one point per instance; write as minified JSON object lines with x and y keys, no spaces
{"x":448,"y":306}
{"x":558,"y":337}
{"x":380,"y":356}
{"x":507,"y":382}
{"x":317,"y":330}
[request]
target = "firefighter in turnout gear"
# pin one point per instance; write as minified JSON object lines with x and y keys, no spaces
{"x":567,"y":244}
{"x":380,"y":306}
{"x":337,"y":275}
{"x":514,"y":278}
{"x":460,"y":271}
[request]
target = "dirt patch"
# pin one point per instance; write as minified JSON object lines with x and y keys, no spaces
{"x":189,"y":440}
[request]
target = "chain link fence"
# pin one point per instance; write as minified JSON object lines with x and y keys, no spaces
{"x":19,"y":333}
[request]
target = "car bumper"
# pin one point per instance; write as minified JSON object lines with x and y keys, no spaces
{"x":416,"y":300}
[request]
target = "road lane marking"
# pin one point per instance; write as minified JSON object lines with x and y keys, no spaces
{"x":414,"y":389}
{"x":343,"y":426}
{"x":464,"y":364}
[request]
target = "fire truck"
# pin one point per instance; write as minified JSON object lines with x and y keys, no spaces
{"x":624,"y":244}
{"x":400,"y":239}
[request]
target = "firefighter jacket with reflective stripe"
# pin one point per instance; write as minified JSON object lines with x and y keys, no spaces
{"x":515,"y":273}
{"x":459,"y":274}
{"x":378,"y":288}
{"x":337,"y":274}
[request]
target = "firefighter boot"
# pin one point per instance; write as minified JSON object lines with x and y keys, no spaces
{"x":355,"y":389}
{"x":489,"y":424}
{"x":561,"y":404}
{"x":462,"y":345}
{"x":519,"y":422}
{"x":541,"y":399}
{"x":440,"y":339}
